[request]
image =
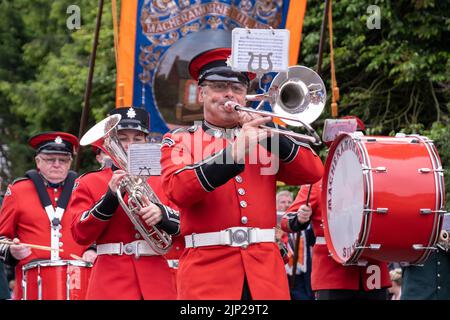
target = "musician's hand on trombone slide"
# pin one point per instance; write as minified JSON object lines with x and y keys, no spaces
{"x":151,"y":214}
{"x":249,"y":136}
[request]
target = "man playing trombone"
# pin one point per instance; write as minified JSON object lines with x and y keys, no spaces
{"x":215,"y":173}
{"x":127,"y":267}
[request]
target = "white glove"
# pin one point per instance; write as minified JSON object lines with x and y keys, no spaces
{"x":90,"y":256}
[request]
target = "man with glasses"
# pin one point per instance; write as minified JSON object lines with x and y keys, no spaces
{"x":215,"y":172}
{"x":33,"y":211}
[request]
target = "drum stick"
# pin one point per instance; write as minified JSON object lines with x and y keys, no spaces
{"x":297,"y":244}
{"x":74,"y":256}
{"x":32,"y":246}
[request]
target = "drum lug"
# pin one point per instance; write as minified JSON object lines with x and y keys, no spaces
{"x":428,"y":170}
{"x":67,"y":284}
{"x":377,"y":210}
{"x":39,"y":283}
{"x":422,"y":247}
{"x":362,"y":263}
{"x":377,"y":169}
{"x":371,"y":246}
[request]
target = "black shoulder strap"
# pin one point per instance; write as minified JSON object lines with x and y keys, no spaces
{"x":67,"y":190}
{"x":40,"y":187}
{"x":42,"y":190}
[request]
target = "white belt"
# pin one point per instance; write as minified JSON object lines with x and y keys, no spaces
{"x":234,"y":237}
{"x":136,"y":248}
{"x":173,"y":263}
{"x":320,"y":240}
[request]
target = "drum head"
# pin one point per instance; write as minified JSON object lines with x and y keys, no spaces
{"x":343,"y":198}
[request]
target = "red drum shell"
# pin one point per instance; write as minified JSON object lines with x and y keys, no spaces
{"x":56,"y":280}
{"x":383,"y":199}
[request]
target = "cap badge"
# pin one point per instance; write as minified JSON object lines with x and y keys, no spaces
{"x":131,"y":113}
{"x":58,"y":140}
{"x":229,"y":62}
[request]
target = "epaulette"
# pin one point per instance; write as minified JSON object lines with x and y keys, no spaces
{"x":19,"y":179}
{"x":88,"y":172}
{"x":191,"y":129}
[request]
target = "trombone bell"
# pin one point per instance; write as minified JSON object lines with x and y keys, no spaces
{"x":300,"y":92}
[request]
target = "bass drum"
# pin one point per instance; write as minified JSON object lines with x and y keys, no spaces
{"x":383,"y":199}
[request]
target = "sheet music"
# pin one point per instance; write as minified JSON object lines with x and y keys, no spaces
{"x":333,"y":127}
{"x":143,"y":159}
{"x":260,"y":50}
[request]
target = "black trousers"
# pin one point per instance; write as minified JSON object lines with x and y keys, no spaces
{"x":246,"y":295}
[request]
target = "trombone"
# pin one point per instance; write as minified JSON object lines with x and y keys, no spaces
{"x":298,"y":96}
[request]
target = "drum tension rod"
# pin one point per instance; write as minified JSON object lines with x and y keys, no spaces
{"x":422,"y":247}
{"x":377,"y":210}
{"x":428,"y":170}
{"x":371,"y":246}
{"x":428,"y":211}
{"x":377,"y":169}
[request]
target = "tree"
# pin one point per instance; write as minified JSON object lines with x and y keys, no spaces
{"x":49,"y":95}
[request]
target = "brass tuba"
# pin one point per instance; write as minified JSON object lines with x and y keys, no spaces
{"x":104,"y":136}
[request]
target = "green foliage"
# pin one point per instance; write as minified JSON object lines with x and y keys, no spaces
{"x":43,"y":78}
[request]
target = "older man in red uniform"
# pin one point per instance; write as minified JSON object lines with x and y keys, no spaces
{"x":126,"y":267}
{"x":329,"y":279}
{"x":33,"y":210}
{"x":215,"y":173}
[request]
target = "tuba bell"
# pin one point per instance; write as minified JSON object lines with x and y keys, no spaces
{"x":104,"y":136}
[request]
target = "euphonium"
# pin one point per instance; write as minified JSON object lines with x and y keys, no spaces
{"x":104,"y":136}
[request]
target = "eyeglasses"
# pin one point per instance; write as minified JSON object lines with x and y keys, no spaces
{"x":52,"y":161}
{"x":222,"y":86}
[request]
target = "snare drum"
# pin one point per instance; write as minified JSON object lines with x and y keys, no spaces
{"x":383,"y":199}
{"x":55,"y":280}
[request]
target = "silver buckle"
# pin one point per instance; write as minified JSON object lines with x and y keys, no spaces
{"x":131,"y":248}
{"x":239,"y":236}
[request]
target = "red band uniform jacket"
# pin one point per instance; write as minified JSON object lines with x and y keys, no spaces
{"x":327,"y":274}
{"x":22,"y":216}
{"x":98,"y":217}
{"x":213,"y":197}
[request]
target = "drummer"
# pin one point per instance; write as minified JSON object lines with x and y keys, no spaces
{"x":329,"y":279}
{"x":33,"y":207}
